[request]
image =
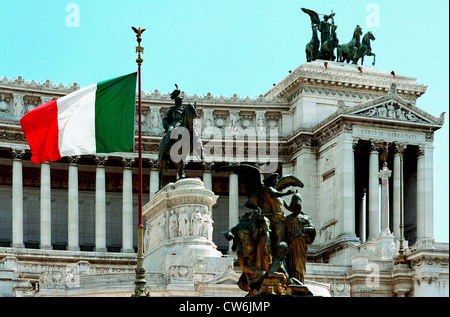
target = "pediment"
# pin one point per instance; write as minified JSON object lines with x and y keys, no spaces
{"x":394,"y":108}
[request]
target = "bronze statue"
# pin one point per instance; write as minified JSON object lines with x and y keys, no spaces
{"x":328,"y":47}
{"x":312,"y":48}
{"x":178,"y":116}
{"x":345,"y":52}
{"x":299,"y":233}
{"x":318,"y":49}
{"x":251,"y":242}
{"x":364,"y":49}
{"x":268,"y":244}
{"x":324,"y":48}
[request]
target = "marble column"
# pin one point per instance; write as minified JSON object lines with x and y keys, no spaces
{"x":347,"y":181}
{"x":384,"y":174}
{"x":127,"y":205}
{"x":72,"y":208}
{"x":207,"y":174}
{"x":17,"y":198}
{"x":233,"y":202}
{"x":100,"y":204}
{"x":46,"y":215}
{"x":398,"y":190}
{"x":425,"y":228}
{"x":154,"y":177}
{"x":373,"y":196}
{"x":362,"y":216}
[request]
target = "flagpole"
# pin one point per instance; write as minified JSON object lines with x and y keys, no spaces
{"x":140,"y":288}
{"x":401,"y":258}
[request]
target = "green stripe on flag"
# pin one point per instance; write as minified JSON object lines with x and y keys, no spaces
{"x":114,"y":114}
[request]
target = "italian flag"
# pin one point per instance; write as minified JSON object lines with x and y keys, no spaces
{"x":95,"y":119}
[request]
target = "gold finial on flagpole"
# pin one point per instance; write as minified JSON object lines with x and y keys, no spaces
{"x":139,"y":48}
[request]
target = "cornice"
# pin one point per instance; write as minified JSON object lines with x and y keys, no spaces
{"x":155,"y":97}
{"x":343,"y":76}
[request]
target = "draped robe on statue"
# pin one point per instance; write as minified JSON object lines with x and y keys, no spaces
{"x":299,"y":233}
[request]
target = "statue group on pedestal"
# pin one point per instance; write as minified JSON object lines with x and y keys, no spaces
{"x":271,"y":248}
{"x":324,"y":47}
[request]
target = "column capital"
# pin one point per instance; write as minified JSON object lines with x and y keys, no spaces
{"x":399,"y":148}
{"x":100,"y":160}
{"x":347,"y":127}
{"x":355,"y":144}
{"x":385,"y":173}
{"x":153,"y":163}
{"x":73,"y":159}
{"x":375,"y":146}
{"x":420,"y":151}
{"x":17,"y":154}
{"x":207,"y":166}
{"x":128,"y":162}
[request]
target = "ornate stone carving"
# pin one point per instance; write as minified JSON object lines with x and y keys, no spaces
{"x":73,"y":159}
{"x":19,"y":106}
{"x":399,"y":148}
{"x":235,"y":124}
{"x":155,"y":119}
{"x":127,"y":162}
{"x":374,"y":146}
{"x":426,"y":279}
{"x":220,"y":120}
{"x":4,"y":103}
{"x":261,"y":122}
{"x":339,"y":289}
{"x":208,"y":166}
{"x":101,"y":160}
{"x":392,"y":110}
{"x":429,"y":260}
{"x":17,"y":154}
{"x":208,"y":119}
{"x":180,"y":274}
{"x":420,"y":151}
{"x":153,"y":163}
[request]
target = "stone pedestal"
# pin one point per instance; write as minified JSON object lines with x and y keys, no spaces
{"x":178,"y":236}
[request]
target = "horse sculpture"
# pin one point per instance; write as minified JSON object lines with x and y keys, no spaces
{"x":328,"y":47}
{"x":345,"y":52}
{"x":365,"y":49}
{"x":165,"y":147}
{"x":312,"y":48}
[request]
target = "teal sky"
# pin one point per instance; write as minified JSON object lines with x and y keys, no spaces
{"x":225,"y":47}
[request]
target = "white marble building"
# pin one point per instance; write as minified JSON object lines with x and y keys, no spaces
{"x":68,"y":228}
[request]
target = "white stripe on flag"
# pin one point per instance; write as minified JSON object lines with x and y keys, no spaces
{"x":76,"y":122}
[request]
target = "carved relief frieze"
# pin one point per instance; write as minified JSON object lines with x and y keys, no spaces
{"x":339,"y":289}
{"x":5,"y":100}
{"x":394,"y":111}
{"x":322,"y":91}
{"x":180,"y":274}
{"x":429,"y":260}
{"x":179,"y":222}
{"x":429,"y":279}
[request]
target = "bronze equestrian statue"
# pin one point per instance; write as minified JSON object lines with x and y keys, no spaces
{"x":178,"y":121}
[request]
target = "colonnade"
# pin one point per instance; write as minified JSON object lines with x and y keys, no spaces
{"x":72,"y":206}
{"x":424,"y":199}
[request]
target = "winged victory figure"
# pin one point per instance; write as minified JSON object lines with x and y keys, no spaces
{"x":265,"y":194}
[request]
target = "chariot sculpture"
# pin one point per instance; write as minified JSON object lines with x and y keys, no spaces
{"x":324,"y":46}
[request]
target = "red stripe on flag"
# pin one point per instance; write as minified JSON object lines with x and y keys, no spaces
{"x":40,"y":127}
